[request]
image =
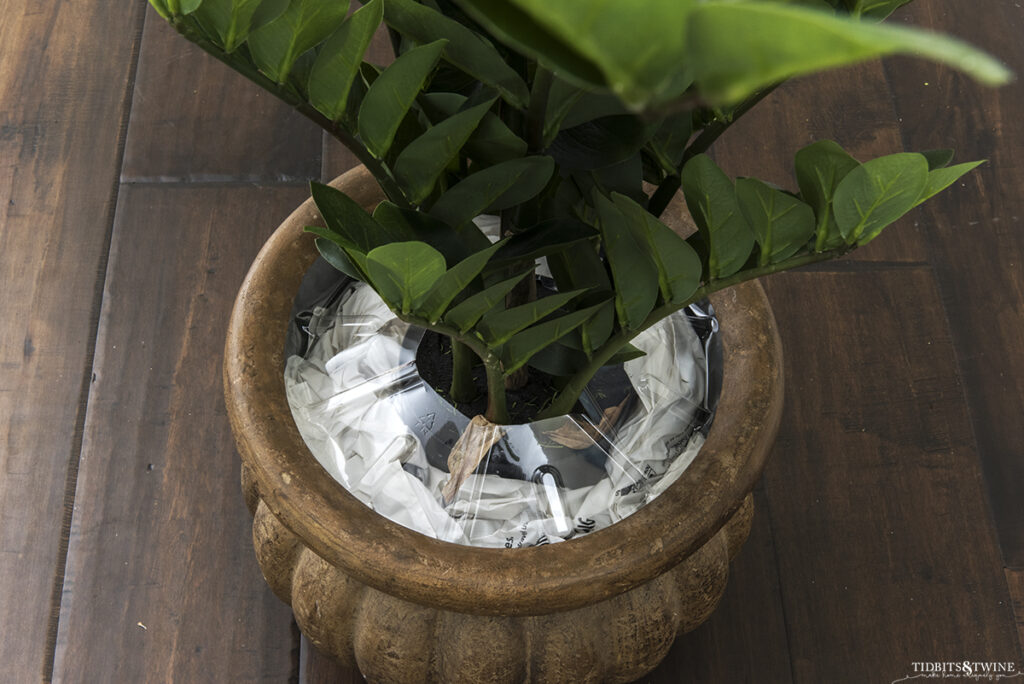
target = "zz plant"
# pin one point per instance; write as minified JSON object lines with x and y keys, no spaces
{"x":576,"y":121}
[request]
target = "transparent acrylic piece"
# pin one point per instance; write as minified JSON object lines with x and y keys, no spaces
{"x":391,"y":440}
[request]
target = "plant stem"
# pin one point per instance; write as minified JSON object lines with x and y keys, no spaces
{"x":497,"y":409}
{"x":247,"y":69}
{"x":564,"y":401}
{"x":462,"y":389}
{"x":668,"y":188}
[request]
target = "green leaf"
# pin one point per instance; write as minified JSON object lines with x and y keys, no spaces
{"x":679,"y":266}
{"x":337,"y":65}
{"x":495,"y":188}
{"x":544,"y":239}
{"x":583,"y":269}
{"x":466,"y":314}
{"x":403,"y":273}
{"x":669,"y":141}
{"x":819,"y":169}
{"x":455,"y":243}
{"x":938,"y":159}
{"x":161,"y":8}
{"x":941,"y":178}
{"x":492,"y":141}
{"x":877,"y":193}
{"x":392,"y":93}
{"x":711,"y":198}
{"x":599,"y":143}
{"x":521,"y":347}
{"x":782,"y":223}
{"x":592,"y":106}
{"x":465,"y":49}
{"x":305,"y":23}
{"x":633,"y":269}
{"x":736,"y":48}
{"x":345,"y":217}
{"x":875,"y":9}
{"x":421,"y":163}
{"x":634,"y":50}
{"x":336,"y":256}
{"x":454,"y":281}
{"x":498,"y":326}
{"x":561,"y":98}
{"x":231,"y":20}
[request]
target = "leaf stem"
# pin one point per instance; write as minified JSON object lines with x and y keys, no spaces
{"x":567,"y":397}
{"x":462,"y":389}
{"x":497,"y":409}
{"x":668,"y":188}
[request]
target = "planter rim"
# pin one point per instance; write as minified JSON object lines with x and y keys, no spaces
{"x":526,"y":581}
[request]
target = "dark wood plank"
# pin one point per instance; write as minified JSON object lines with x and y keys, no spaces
{"x":162,"y":583}
{"x":194,"y":119}
{"x":1015,"y":581}
{"x":851,"y":106}
{"x":745,"y":639}
{"x":317,"y":668}
{"x":886,"y":551}
{"x":64,"y":85}
{"x":975,"y":237}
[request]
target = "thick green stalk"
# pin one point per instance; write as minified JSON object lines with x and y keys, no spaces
{"x":497,"y":408}
{"x":668,"y":188}
{"x":564,"y":401}
{"x":462,"y":389}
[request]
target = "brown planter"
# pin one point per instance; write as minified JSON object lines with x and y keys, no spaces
{"x":406,"y":608}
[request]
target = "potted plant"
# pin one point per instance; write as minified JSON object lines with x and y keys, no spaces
{"x":576,"y":124}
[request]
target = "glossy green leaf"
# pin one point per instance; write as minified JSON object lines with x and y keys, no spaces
{"x":941,"y":178}
{"x":781,"y":223}
{"x":492,"y":142}
{"x":336,"y":256}
{"x":669,"y":141}
{"x":276,"y":46}
{"x":346,"y":218}
{"x":403,"y":273}
{"x":497,"y":327}
{"x":877,"y":193}
{"x":875,"y":9}
{"x":819,"y":169}
{"x":544,"y":239}
{"x":591,"y":106}
{"x":232,"y":20}
{"x":422,"y":162}
{"x":455,"y":243}
{"x":391,"y":95}
{"x":454,"y":281}
{"x":679,"y":266}
{"x":522,"y":346}
{"x":465,"y":49}
{"x":465,"y":314}
{"x":495,"y":188}
{"x":636,"y":51}
{"x":711,"y":198}
{"x":337,"y":65}
{"x":599,"y":143}
{"x":561,"y":98}
{"x":938,"y":159}
{"x":582,"y":268}
{"x":633,"y":269}
{"x":736,"y":48}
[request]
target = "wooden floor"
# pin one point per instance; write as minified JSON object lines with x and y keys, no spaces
{"x":138,"y":179}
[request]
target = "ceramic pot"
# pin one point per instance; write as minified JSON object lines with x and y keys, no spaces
{"x":403,"y":607}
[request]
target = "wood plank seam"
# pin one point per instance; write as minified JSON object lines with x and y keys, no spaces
{"x":767,"y":513}
{"x":74,"y":457}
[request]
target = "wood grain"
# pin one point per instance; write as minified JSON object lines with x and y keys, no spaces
{"x":886,"y":551}
{"x":976,"y":240}
{"x":745,"y":639}
{"x":64,"y":88}
{"x":1015,"y":581}
{"x":194,"y":119}
{"x":161,"y":583}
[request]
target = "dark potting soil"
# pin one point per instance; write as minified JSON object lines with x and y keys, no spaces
{"x":434,"y":363}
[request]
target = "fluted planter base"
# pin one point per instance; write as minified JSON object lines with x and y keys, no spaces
{"x":405,"y":608}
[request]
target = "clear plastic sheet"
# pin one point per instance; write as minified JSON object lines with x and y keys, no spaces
{"x":388,"y":437}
